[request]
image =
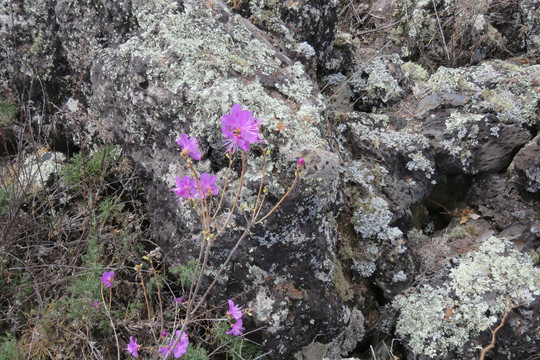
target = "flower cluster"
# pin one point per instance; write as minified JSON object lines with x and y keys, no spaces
{"x":240,"y":129}
{"x":180,"y":348}
{"x":188,"y":188}
{"x":235,"y":313}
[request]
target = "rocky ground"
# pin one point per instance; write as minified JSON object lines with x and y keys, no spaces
{"x":414,"y":233}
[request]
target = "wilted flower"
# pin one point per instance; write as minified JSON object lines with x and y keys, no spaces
{"x":189,"y":147}
{"x":240,"y":129}
{"x":236,"y":329}
{"x":208,"y":186}
{"x":180,"y":348}
{"x":234,"y":311}
{"x":132,"y":347}
{"x":107,"y":278}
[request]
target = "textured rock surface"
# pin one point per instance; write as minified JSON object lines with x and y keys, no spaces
{"x":411,"y":166}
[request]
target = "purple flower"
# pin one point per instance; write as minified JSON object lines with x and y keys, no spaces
{"x":189,"y":147}
{"x":179,"y":300}
{"x":237,"y":328}
{"x":132,"y":347}
{"x":240,"y":129}
{"x":208,"y":186}
{"x":107,"y":278}
{"x":96,"y":305}
{"x":180,"y":348}
{"x":185,"y":188}
{"x":234,"y":311}
{"x":300,"y":163}
{"x":163,"y":334}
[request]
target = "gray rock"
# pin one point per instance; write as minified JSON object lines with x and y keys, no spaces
{"x":526,"y":164}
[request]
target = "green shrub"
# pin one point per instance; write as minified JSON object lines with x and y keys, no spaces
{"x":92,"y":169}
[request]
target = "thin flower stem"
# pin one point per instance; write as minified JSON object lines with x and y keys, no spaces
{"x":201,"y":252}
{"x":147,"y":304}
{"x":280,"y":201}
{"x":201,"y":271}
{"x":107,"y":311}
{"x":224,"y":188}
{"x":260,"y":207}
{"x":158,"y":291}
{"x":222,"y":267}
{"x":237,"y":195}
{"x":202,"y":200}
{"x":255,"y":211}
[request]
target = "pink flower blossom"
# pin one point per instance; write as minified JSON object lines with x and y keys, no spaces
{"x":208,"y":186}
{"x":190,"y":147}
{"x":107,"y":278}
{"x":185,"y":188}
{"x":132,"y":347}
{"x":237,"y":328}
{"x":179,"y":300}
{"x":96,"y":305}
{"x":240,"y":129}
{"x":180,"y":348}
{"x":234,"y":311}
{"x":300,"y":163}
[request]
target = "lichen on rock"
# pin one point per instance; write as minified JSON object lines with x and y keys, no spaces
{"x":438,"y":320}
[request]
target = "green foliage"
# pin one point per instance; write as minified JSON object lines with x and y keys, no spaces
{"x":185,"y":272}
{"x":92,"y":168}
{"x":108,"y":208}
{"x":4,"y":199}
{"x":8,"y":112}
{"x":9,"y":349}
{"x":193,"y":353}
{"x":237,"y":347}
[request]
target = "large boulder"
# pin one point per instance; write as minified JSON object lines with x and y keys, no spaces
{"x":180,"y":72}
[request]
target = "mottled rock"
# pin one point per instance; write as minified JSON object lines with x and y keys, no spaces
{"x":527,"y":166}
{"x":451,"y":318}
{"x":307,"y":29}
{"x":382,"y":82}
{"x":184,"y":69}
{"x":499,"y":199}
{"x":472,"y":143}
{"x":448,"y":33}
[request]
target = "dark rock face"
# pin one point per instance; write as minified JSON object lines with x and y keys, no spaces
{"x":404,"y":181}
{"x":489,"y":151}
{"x":306,"y":29}
{"x":313,"y":22}
{"x":527,"y":166}
{"x":131,"y":82}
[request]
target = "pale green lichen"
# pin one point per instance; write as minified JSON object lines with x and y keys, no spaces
{"x":416,"y":72}
{"x":494,"y":87}
{"x":440,"y":320}
{"x":372,"y":219}
{"x":191,"y":54}
{"x":463,"y":128}
{"x":380,"y":83}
